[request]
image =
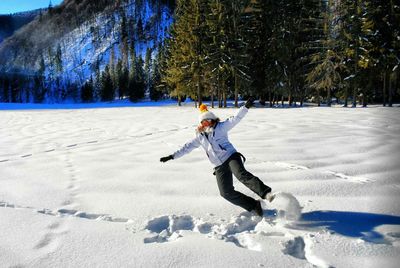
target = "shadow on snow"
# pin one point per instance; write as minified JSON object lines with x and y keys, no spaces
{"x":352,"y":224}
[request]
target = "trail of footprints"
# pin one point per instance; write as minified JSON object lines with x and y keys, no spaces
{"x":72,"y":173}
{"x":291,"y":166}
{"x":355,"y":179}
{"x":246,"y":231}
{"x":50,"y":240}
{"x":76,"y":145}
{"x":60,"y":213}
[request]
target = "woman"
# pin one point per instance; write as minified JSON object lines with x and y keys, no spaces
{"x":212,"y":135}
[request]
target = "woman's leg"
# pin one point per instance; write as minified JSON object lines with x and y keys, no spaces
{"x":248,"y":179}
{"x":227,"y":191}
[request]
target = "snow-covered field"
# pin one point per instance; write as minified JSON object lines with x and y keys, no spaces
{"x":85,"y":188}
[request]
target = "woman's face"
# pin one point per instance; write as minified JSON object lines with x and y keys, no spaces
{"x":207,"y":123}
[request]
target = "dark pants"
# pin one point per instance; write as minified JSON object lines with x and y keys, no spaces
{"x":224,"y":172}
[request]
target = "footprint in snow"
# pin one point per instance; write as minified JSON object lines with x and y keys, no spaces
{"x":355,"y":179}
{"x":245,"y":230}
{"x":169,"y":228}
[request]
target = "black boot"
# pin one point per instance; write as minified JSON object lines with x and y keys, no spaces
{"x":258,"y":209}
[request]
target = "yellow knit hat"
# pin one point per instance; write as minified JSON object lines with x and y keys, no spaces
{"x":203,"y":108}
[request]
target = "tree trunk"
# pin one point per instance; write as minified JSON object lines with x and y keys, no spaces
{"x":290,"y":91}
{"x":354,"y":97}
{"x":390,"y":93}
{"x":329,"y":102}
{"x":273,"y":99}
{"x":212,"y":98}
{"x":199,"y":90}
{"x":236,"y":89}
{"x":367,"y":89}
{"x":262,"y":99}
{"x":302,"y":96}
{"x":219,"y":97}
{"x":364,"y":100}
{"x":337,"y":98}
{"x":365,"y":97}
{"x":357,"y":28}
{"x":346,"y":97}
{"x":384,"y":88}
{"x":270,"y":97}
{"x":224,"y":96}
{"x":318,"y":98}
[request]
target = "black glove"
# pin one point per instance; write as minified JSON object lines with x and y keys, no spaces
{"x":249,"y":103}
{"x":166,"y":158}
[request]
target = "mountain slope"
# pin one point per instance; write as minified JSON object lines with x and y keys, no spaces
{"x":83,"y":33}
{"x":11,"y":23}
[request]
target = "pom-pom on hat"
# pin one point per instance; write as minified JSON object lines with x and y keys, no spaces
{"x":205,"y":114}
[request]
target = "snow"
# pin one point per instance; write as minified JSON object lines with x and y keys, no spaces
{"x":84,"y":187}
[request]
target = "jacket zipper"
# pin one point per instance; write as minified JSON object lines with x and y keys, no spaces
{"x":213,"y":148}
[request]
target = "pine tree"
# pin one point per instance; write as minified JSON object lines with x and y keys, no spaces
{"x":124,"y":44}
{"x":39,"y":90}
{"x":112,"y":68}
{"x":137,"y":85}
{"x":225,"y":47}
{"x":139,"y":27}
{"x":107,"y":88}
{"x":185,"y":65}
{"x":174,"y":69}
{"x":273,"y":37}
{"x":148,"y":67}
{"x":386,"y":18}
{"x":6,"y":89}
{"x":394,"y":49}
{"x":122,"y":79}
{"x":132,"y":60}
{"x":58,"y":60}
{"x":50,"y":8}
{"x":326,"y":76}
{"x":260,"y":17}
{"x":42,"y":66}
{"x":97,"y":85}
{"x":216,"y":69}
{"x":351,"y":34}
{"x":87,"y":91}
{"x":157,"y":88}
{"x":237,"y":47}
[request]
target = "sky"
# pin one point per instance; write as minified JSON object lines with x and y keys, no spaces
{"x":13,"y":6}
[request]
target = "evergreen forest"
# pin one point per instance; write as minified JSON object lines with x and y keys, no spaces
{"x":285,"y":52}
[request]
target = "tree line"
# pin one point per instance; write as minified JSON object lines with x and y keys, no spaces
{"x":284,"y":51}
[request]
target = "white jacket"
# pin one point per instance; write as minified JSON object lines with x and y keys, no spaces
{"x":216,"y":143}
